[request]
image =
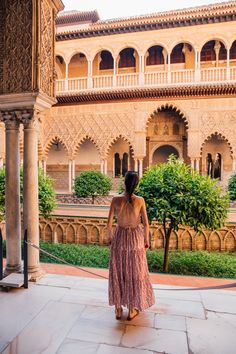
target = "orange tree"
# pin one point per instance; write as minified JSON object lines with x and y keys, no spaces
{"x":176,"y":195}
{"x":91,"y":184}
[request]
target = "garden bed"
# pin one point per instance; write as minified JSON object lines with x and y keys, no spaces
{"x":198,"y":263}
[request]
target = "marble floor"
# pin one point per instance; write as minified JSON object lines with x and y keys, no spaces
{"x":70,"y":315}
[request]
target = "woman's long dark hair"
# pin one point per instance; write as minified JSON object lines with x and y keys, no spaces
{"x":131,"y":182}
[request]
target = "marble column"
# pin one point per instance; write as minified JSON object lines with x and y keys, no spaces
{"x":12,"y":201}
{"x":197,"y":164}
{"x":90,"y":73}
{"x":192,"y":163}
{"x":30,"y":191}
{"x":73,"y":173}
{"x":67,"y":76}
{"x":228,"y":65}
{"x":169,"y":68}
{"x":114,"y":71}
{"x":136,"y":165}
{"x":70,"y":176}
{"x":140,"y":168}
{"x":102,"y":166}
{"x":44,"y":166}
{"x":105,"y":166}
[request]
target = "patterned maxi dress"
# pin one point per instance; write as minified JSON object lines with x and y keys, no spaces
{"x":129,"y":283}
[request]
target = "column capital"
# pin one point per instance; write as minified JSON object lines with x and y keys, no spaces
{"x":29,"y":118}
{"x":10,"y":120}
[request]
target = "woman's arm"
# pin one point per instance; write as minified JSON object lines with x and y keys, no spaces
{"x":145,"y":224}
{"x":110,"y":219}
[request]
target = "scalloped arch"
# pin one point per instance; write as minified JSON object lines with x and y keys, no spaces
{"x":209,"y":137}
{"x":54,"y":139}
{"x":113,"y":140}
{"x":174,"y":108}
{"x":82,"y":140}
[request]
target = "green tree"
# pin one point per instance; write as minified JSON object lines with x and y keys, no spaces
{"x":176,"y":195}
{"x":121,"y":185}
{"x":47,"y":196}
{"x":232,"y":187}
{"x":92,"y":184}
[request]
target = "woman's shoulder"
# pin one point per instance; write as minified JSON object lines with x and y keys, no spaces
{"x":117,"y":199}
{"x":138,"y":198}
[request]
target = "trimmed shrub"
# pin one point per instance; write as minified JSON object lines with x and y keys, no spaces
{"x":92,"y":184}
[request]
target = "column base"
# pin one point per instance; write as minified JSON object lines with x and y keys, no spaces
{"x":35,"y":273}
{"x":13,"y":269}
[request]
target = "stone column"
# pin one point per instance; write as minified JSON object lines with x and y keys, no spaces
{"x":114,"y":71}
{"x":70,"y":176}
{"x":44,"y":166}
{"x":196,"y":67}
{"x":66,"y":79}
{"x":192,"y":163}
{"x":136,"y":165}
{"x":228,"y":65}
{"x":141,"y":70}
{"x":73,"y":172}
{"x":140,"y":168}
{"x":90,"y":73}
{"x":197,"y":163}
{"x":102,"y":166}
{"x":30,"y":190}
{"x":105,"y":166}
{"x":12,"y":188}
{"x":169,"y":71}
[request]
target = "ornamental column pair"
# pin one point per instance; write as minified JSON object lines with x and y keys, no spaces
{"x":12,"y":120}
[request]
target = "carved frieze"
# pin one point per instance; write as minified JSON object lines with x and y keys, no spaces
{"x":47,"y":49}
{"x":17,"y":66}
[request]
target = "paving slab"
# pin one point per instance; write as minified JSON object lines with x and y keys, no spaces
{"x":69,"y":314}
{"x":179,"y":307}
{"x":97,"y":331}
{"x":160,"y":340}
{"x":177,"y":323}
{"x":107,"y":349}
{"x":211,"y":336}
{"x":71,"y":346}
{"x":46,"y":331}
{"x":219,"y":302}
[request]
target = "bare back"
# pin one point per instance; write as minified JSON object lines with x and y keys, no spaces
{"x":128,"y":214}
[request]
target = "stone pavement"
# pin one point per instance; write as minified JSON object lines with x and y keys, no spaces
{"x":70,"y":315}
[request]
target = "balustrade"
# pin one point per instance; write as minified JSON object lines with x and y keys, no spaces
{"x":156,"y":78}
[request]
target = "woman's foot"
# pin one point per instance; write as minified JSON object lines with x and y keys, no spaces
{"x":119,"y":312}
{"x":132,"y":313}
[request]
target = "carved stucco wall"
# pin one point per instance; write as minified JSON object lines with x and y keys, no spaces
{"x":27,"y":43}
{"x":105,"y":122}
{"x":17,"y":46}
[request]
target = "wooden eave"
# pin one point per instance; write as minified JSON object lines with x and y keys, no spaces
{"x":183,"y":92}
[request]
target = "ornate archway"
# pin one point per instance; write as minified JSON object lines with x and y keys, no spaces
{"x":162,"y":153}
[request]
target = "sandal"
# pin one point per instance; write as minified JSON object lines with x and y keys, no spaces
{"x":119,"y":312}
{"x":129,"y":318}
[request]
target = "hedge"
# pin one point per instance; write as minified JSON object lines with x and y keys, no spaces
{"x":197,"y":263}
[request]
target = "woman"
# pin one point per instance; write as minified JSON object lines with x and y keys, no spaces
{"x":129,"y":283}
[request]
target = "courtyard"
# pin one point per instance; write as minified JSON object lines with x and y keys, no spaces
{"x":70,"y":314}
